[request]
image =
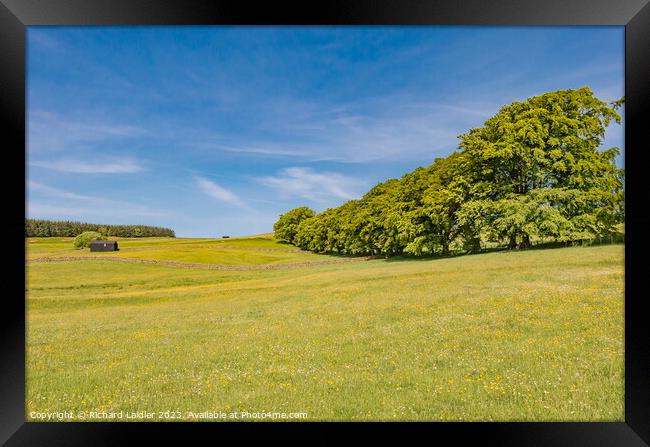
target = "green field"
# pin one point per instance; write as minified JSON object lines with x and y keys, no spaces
{"x":533,"y":335}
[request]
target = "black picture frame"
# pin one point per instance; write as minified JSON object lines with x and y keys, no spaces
{"x":15,"y":15}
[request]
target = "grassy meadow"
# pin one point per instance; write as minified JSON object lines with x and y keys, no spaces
{"x":506,"y":336}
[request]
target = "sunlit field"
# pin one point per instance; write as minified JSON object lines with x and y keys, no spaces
{"x":531,"y":335}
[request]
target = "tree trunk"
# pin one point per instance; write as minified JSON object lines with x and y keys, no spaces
{"x":513,"y":242}
{"x":445,"y":248}
{"x":525,"y":242}
{"x":475,"y":245}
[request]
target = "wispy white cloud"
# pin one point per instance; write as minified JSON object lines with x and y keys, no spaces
{"x":312,"y":185}
{"x":269,"y":150}
{"x":385,"y":128}
{"x":49,"y":132}
{"x":33,"y":186}
{"x":95,"y":167}
{"x":66,"y":204}
{"x":120,"y":210}
{"x":220,"y":193}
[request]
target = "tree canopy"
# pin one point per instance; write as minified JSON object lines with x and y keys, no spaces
{"x":533,"y":170}
{"x":285,"y":228}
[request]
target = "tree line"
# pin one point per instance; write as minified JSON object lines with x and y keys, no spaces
{"x":50,"y":228}
{"x":532,"y":171}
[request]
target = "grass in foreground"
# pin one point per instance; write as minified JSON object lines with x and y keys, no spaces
{"x":534,"y":335}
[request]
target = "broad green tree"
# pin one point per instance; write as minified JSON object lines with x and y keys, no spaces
{"x":449,"y":188}
{"x":550,"y":141}
{"x":287,"y":225}
{"x":535,"y":169}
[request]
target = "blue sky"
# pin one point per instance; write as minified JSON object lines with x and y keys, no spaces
{"x":215,"y":131}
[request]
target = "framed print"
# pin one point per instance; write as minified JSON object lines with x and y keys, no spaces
{"x":413,"y":213}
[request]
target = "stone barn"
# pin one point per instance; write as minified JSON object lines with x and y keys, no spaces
{"x":103,"y":246}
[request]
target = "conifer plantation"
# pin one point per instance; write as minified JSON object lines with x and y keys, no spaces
{"x":53,"y":228}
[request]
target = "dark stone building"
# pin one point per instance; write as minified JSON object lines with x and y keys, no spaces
{"x":103,"y":246}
